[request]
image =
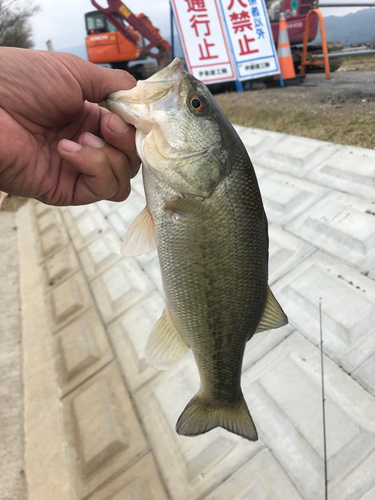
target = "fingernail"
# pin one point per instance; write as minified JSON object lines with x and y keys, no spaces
{"x":117,"y":125}
{"x":70,"y":146}
{"x":92,"y":140}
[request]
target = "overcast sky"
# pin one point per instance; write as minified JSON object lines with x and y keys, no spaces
{"x":63,"y":22}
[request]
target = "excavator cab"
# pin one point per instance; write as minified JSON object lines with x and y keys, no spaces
{"x":97,"y":23}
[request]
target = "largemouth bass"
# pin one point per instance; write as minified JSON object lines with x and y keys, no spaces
{"x":205,"y":216}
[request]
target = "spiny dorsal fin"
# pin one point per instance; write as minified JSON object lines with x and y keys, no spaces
{"x":273,"y":316}
{"x":165,"y":347}
{"x":141,"y":235}
{"x":190,"y":205}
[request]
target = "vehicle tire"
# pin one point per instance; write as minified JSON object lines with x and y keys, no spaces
{"x":120,"y":65}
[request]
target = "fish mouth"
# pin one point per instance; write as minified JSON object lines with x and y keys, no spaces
{"x":134,"y":105}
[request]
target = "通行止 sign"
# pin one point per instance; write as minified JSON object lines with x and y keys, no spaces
{"x":203,"y":39}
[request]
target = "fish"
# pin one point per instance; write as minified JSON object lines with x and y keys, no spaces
{"x":204,"y":214}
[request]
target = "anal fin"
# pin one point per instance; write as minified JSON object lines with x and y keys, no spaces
{"x":165,"y":347}
{"x":273,"y":316}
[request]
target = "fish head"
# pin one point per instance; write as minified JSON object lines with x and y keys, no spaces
{"x":180,"y":129}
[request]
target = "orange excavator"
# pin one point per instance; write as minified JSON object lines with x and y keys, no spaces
{"x":118,"y":37}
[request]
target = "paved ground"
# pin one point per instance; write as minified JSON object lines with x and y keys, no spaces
{"x":101,"y":425}
{"x":12,"y":474}
{"x":116,"y":415}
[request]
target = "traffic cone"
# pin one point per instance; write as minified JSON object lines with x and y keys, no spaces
{"x":285,"y":56}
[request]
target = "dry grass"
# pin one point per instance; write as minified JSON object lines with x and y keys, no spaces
{"x":351,"y":128}
{"x":343,"y":117}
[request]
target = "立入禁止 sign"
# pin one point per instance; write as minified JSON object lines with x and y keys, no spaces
{"x":250,"y":36}
{"x":202,"y":34}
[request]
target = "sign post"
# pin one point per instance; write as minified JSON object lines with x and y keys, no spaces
{"x":202,"y":35}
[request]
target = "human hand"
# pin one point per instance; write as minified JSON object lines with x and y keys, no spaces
{"x":56,"y":144}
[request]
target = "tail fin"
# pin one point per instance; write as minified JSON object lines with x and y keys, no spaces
{"x":200,"y":416}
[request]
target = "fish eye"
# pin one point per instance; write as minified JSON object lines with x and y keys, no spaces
{"x":198,"y":103}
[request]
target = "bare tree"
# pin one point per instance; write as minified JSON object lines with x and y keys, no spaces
{"x":15,"y":29}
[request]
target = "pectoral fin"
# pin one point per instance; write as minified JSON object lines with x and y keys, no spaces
{"x":273,"y":316}
{"x":190,"y":205}
{"x":141,"y":235}
{"x":165,"y":347}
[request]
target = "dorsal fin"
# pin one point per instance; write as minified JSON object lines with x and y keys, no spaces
{"x":141,"y":235}
{"x":273,"y":316}
{"x":165,"y":347}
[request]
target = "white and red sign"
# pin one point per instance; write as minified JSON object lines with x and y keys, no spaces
{"x":202,"y":35}
{"x":251,"y":39}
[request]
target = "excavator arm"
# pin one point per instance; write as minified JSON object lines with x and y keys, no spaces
{"x":140,"y":23}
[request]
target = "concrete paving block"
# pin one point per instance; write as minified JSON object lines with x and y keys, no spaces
{"x":285,"y":197}
{"x":140,"y":482}
{"x":145,"y":258}
{"x":51,"y":242}
{"x":59,"y":267}
{"x":87,"y":229}
{"x":81,"y":349}
{"x":285,"y":251}
{"x":129,"y":336}
{"x":365,"y":374}
{"x":348,"y":307}
{"x":100,"y":254}
{"x":40,"y":208}
{"x":67,"y":300}
{"x":259,"y":141}
{"x":103,"y":433}
{"x":191,"y":466}
{"x":342,"y":225}
{"x":296,"y":155}
{"x":261,"y":478}
{"x":284,"y":394}
{"x":121,"y":218}
{"x":72,"y":215}
{"x":351,"y":170}
{"x":152,"y":269}
{"x":263,"y":342}
{"x":49,"y":219}
{"x":349,"y":490}
{"x":120,"y":287}
{"x":106,"y":206}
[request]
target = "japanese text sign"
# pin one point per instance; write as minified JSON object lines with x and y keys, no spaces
{"x":251,"y":39}
{"x":203,"y":40}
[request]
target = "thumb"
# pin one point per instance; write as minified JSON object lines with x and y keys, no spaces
{"x":96,"y":81}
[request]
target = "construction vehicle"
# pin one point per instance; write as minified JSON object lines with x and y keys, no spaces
{"x":117,"y":37}
{"x":295,"y":12}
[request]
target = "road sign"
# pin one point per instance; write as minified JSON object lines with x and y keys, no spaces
{"x":250,"y":36}
{"x":202,"y":35}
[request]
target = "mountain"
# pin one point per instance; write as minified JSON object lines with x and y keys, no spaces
{"x":358,"y":27}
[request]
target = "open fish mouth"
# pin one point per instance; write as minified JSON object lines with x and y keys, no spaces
{"x":135,"y":105}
